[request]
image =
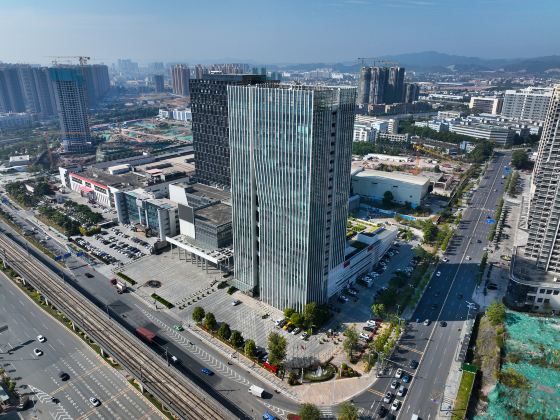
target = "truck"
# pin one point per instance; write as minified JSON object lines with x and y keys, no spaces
{"x":146,"y":334}
{"x":256,"y":391}
{"x":121,"y":287}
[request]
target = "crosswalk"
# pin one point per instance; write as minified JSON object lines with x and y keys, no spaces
{"x":201,"y":354}
{"x":58,"y":412}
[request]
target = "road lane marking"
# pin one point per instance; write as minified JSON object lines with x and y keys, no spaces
{"x":67,"y":384}
{"x":376,"y":392}
{"x":410,"y":349}
{"x":449,"y":291}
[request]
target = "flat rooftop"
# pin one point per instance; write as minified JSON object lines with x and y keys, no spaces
{"x":203,"y":190}
{"x":396,"y":176}
{"x":218,"y":214}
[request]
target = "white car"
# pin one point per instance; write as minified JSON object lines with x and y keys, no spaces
{"x":426,"y":322}
{"x":445,"y":259}
{"x":94,"y":401}
{"x":304,"y":336}
{"x":37,"y":352}
{"x":387,"y":398}
{"x":438,"y":274}
{"x":41,"y":339}
{"x":468,"y":258}
{"x":394,"y":384}
{"x":395,"y":406}
{"x":235,"y":302}
{"x":398,"y":373}
{"x":364,"y":336}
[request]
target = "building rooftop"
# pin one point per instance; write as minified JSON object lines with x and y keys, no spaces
{"x":218,"y":214}
{"x":207,"y":191}
{"x":397,"y":176}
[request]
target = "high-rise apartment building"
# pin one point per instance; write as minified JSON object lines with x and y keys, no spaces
{"x":209,"y":106}
{"x":96,"y":78}
{"x":11,"y":93}
{"x":180,"y":79}
{"x":158,"y":83}
{"x":543,"y":244}
{"x":290,"y":183}
{"x":381,"y":85}
{"x":527,"y":104}
{"x":71,"y":100}
{"x":411,"y":92}
{"x":395,"y":84}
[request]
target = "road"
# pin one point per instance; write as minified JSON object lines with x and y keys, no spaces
{"x":434,"y":346}
{"x":63,"y":352}
{"x":230,"y":381}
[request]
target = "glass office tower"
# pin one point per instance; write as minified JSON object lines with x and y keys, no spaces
{"x":290,"y":154}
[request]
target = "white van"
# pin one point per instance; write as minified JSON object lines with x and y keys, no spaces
{"x":256,"y":391}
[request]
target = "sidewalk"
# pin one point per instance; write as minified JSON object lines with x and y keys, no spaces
{"x":453,"y":379}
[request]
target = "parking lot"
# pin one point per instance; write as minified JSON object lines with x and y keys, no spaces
{"x":115,"y":246}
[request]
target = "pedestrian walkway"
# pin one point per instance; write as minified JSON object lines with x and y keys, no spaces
{"x":453,"y":378}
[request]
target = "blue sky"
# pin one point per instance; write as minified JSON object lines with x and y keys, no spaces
{"x":278,"y":31}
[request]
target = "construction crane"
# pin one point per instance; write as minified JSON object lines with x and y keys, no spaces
{"x":83,"y":60}
{"x":363,"y":60}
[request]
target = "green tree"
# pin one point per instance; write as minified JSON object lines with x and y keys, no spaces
{"x":224,"y":331}
{"x":388,"y":198}
{"x":496,"y":313}
{"x":236,"y":339}
{"x":198,"y":314}
{"x":210,"y":321}
{"x":348,"y":411}
{"x":288,"y":312}
{"x":297,"y":319}
{"x":351,"y":341}
{"x":250,"y":348}
{"x":429,"y":230}
{"x":519,"y":159}
{"x":310,"y":314}
{"x":276,"y":348}
{"x":309,"y":412}
{"x":378,"y":309}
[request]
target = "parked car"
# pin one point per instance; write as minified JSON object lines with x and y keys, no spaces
{"x":37,"y":352}
{"x":41,"y":339}
{"x":394,"y":384}
{"x":387,"y":398}
{"x":395,"y":406}
{"x":398,"y":373}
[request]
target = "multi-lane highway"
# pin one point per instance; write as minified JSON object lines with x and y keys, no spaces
{"x":231,"y":382}
{"x":89,"y":375}
{"x":445,"y":305}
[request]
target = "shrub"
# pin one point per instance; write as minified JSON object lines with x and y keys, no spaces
{"x":231,"y":290}
{"x":161,"y":300}
{"x":222,"y":285}
{"x":126,"y":278}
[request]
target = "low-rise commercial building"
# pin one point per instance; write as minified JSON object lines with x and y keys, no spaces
{"x":360,"y":257}
{"x":405,"y":188}
{"x":499,"y":135}
{"x":486,"y":104}
{"x":156,"y":216}
{"x":205,"y":224}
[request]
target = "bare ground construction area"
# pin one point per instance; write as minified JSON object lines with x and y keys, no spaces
{"x":528,"y":384}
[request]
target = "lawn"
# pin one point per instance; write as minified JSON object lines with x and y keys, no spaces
{"x":463,"y":396}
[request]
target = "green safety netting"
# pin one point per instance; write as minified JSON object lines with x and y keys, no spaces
{"x":532,"y":350}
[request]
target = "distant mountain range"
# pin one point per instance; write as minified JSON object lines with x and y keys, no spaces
{"x":432,"y":61}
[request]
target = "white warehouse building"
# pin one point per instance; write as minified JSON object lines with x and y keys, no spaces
{"x":405,"y":187}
